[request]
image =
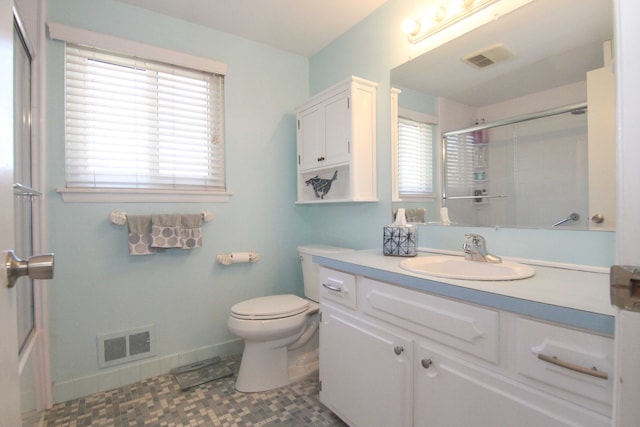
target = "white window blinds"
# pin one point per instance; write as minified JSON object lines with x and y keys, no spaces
{"x":415,"y":158}
{"x":460,"y":164}
{"x":132,"y":123}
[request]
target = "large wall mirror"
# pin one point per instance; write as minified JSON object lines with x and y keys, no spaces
{"x":525,"y":118}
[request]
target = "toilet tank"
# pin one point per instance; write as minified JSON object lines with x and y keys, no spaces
{"x":310,"y":271}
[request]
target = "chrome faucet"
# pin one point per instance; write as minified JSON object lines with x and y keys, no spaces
{"x":476,"y":250}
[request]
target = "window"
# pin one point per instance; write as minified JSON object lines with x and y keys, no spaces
{"x":139,"y":124}
{"x":414,"y":158}
{"x":461,"y":150}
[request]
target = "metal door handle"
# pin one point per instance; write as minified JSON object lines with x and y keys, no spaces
{"x":594,"y":372}
{"x":332,"y":287}
{"x":36,"y":267}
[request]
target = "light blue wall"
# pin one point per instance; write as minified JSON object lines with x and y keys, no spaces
{"x":370,"y":50}
{"x":98,"y":288}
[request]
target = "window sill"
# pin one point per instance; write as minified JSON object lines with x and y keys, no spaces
{"x":414,"y":198}
{"x":81,"y":195}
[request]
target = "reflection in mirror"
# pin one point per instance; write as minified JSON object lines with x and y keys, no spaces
{"x":525,"y":172}
{"x":555,"y":64}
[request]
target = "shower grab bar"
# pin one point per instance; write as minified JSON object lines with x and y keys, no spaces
{"x":572,"y":217}
{"x":479,"y":196}
{"x":519,"y":119}
{"x":23,"y":190}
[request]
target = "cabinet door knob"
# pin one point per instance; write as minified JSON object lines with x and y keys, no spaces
{"x":426,"y":363}
{"x":398,"y":350}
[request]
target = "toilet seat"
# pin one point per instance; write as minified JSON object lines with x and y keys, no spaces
{"x":269,"y":307}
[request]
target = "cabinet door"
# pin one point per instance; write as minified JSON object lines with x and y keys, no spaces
{"x":310,"y":137}
{"x":337,"y":129}
{"x":365,"y":371}
{"x":452,"y":392}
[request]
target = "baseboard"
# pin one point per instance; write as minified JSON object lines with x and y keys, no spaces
{"x":139,"y":370}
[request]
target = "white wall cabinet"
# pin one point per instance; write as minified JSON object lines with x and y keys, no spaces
{"x":336,"y":131}
{"x":396,"y":356}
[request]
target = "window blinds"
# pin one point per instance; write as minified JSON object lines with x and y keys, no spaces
{"x":415,"y":157}
{"x":135,"y":123}
{"x":460,"y":162}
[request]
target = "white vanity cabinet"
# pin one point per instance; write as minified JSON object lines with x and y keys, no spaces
{"x":336,"y":132}
{"x":366,"y":371}
{"x":391,"y":355}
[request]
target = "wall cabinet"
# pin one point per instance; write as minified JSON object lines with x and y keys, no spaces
{"x":402,"y":357}
{"x":336,"y":132}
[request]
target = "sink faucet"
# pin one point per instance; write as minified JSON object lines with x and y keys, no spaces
{"x":476,"y":250}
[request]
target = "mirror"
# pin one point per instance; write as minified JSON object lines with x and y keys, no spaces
{"x":547,"y":56}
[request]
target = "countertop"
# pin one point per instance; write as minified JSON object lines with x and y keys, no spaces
{"x":563,"y":295}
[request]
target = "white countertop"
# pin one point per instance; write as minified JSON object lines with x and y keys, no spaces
{"x":573,"y":297}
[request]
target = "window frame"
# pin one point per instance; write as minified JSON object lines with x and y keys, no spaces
{"x":422,"y":118}
{"x":128,"y":47}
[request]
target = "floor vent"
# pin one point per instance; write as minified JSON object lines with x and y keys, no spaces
{"x":126,"y":346}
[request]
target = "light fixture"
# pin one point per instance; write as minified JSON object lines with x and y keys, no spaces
{"x":442,"y":16}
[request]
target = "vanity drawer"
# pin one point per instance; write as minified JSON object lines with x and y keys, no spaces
{"x":576,"y":365}
{"x":338,"y":287}
{"x":465,"y":327}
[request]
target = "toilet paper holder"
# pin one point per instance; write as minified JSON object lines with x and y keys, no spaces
{"x":237,"y":258}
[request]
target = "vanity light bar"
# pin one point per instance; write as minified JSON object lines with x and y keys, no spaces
{"x":448,"y":13}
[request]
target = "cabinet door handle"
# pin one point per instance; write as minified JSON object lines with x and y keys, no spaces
{"x":577,"y":368}
{"x":398,"y":350}
{"x":320,"y":159}
{"x":332,"y":287}
{"x":426,"y":363}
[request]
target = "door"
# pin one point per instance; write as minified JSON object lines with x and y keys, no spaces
{"x":310,"y":145}
{"x":337,"y":129}
{"x":627,"y":54}
{"x":9,"y":391}
{"x":21,"y":353}
{"x":365,"y":371}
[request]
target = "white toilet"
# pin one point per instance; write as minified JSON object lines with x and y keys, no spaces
{"x":280,"y":332}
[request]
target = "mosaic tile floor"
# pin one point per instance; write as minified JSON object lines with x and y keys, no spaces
{"x":159,"y":401}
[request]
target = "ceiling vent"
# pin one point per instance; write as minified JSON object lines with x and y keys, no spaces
{"x":489,"y":56}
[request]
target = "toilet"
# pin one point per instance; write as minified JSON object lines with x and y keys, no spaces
{"x":280,"y":332}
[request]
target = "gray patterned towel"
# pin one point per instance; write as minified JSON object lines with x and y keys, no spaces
{"x":191,"y":236}
{"x":166,"y":230}
{"x":140,"y":235}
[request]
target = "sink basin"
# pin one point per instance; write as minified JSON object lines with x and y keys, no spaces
{"x":454,"y":267}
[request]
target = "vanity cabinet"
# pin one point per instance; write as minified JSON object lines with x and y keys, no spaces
{"x":336,"y":132}
{"x":366,"y":370}
{"x":391,"y":355}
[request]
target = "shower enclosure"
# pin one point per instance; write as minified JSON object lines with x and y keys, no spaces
{"x":526,"y":172}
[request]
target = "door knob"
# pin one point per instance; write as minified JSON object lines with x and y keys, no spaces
{"x":36,"y":267}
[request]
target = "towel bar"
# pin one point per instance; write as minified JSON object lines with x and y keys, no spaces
{"x":120,"y":218}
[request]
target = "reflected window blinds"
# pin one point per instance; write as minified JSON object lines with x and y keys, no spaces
{"x":415,"y":158}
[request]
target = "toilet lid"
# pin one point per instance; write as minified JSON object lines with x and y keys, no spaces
{"x":270,"y":307}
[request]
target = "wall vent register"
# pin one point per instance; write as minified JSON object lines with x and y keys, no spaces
{"x":126,"y":346}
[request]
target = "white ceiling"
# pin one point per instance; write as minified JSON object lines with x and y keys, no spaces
{"x":299,"y":26}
